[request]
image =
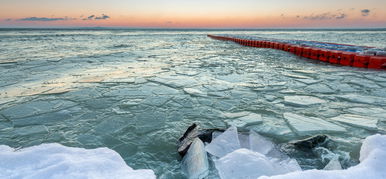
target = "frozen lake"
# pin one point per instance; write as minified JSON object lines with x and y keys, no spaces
{"x":136,"y":91}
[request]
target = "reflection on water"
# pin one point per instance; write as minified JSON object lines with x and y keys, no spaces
{"x":137,"y":91}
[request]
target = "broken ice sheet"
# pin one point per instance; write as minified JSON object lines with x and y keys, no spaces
{"x":259,"y":143}
{"x":225,"y":143}
{"x":319,"y":88}
{"x":302,"y":101}
{"x":357,"y":121}
{"x":334,"y":164}
{"x":194,"y":92}
{"x":235,"y":115}
{"x":363,"y":99}
{"x":311,"y":125}
{"x":248,"y":120}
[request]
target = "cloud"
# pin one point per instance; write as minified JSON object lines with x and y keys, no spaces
{"x":93,"y":17}
{"x":89,"y":17}
{"x":103,"y":17}
{"x":325,"y":16}
{"x":9,"y":19}
{"x":45,"y":19}
{"x":365,"y":12}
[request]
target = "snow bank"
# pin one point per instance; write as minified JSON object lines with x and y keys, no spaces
{"x":372,"y":164}
{"x":58,"y":161}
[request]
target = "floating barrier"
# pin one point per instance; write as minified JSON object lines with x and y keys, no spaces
{"x":341,"y":54}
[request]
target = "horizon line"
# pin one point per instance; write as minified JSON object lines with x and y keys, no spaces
{"x":190,"y":28}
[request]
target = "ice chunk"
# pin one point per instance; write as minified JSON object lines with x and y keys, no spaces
{"x":259,"y":143}
{"x":372,"y":164}
{"x":358,"y":121}
{"x":244,"y":141}
{"x":242,"y":122}
{"x":308,"y":81}
{"x":244,"y":163}
{"x":319,"y":88}
{"x":374,"y":112}
{"x":310,"y":125}
{"x":363,"y":99}
{"x":57,"y":161}
{"x":195,"y":162}
{"x":302,"y":101}
{"x":225,"y":143}
{"x":235,"y":115}
{"x":175,"y":81}
{"x":334,"y":164}
{"x":194,"y":92}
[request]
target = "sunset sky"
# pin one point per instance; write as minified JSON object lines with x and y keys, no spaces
{"x":194,"y":13}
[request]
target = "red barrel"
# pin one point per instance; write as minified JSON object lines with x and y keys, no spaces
{"x":361,"y":61}
{"x":267,"y":44}
{"x":276,"y":45}
{"x":270,"y":44}
{"x":285,"y":47}
{"x":299,"y":50}
{"x":255,"y":43}
{"x":335,"y":56}
{"x":377,"y":62}
{"x":258,"y":44}
{"x":347,"y":58}
{"x":314,"y":53}
{"x":324,"y":55}
{"x":262,"y":44}
{"x":293,"y":49}
{"x":280,"y":46}
{"x":306,"y":52}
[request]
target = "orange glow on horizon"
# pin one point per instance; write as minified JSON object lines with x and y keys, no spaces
{"x":194,"y":14}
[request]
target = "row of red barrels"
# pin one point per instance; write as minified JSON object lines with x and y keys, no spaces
{"x":326,"y":55}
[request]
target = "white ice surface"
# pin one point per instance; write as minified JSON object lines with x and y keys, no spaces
{"x":372,"y":164}
{"x":58,"y":161}
{"x":244,"y":163}
{"x":259,"y":143}
{"x":225,"y":143}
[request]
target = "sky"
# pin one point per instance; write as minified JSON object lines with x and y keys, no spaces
{"x":194,"y":13}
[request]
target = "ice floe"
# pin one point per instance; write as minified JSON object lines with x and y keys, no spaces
{"x":259,"y":143}
{"x":244,"y":121}
{"x":363,"y":99}
{"x":225,"y":143}
{"x":58,"y":161}
{"x":194,"y":92}
{"x":302,"y":101}
{"x":310,"y":125}
{"x":357,"y":121}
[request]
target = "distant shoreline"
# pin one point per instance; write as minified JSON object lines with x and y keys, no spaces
{"x":191,"y":29}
